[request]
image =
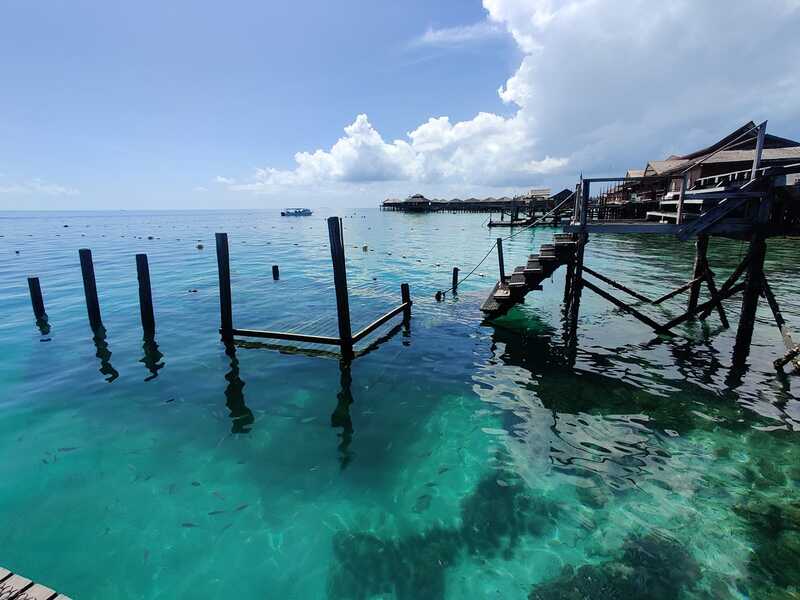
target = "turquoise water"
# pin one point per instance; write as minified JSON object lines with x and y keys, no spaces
{"x":455,"y":460}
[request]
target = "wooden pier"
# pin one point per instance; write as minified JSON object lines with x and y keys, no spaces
{"x":748,"y":204}
{"x":17,"y":587}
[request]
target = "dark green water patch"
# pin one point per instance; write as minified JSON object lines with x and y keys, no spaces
{"x":649,"y":566}
{"x":494,"y":517}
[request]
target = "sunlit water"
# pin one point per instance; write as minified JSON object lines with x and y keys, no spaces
{"x":456,"y":460}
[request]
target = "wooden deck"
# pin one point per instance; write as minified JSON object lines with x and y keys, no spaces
{"x":17,"y":587}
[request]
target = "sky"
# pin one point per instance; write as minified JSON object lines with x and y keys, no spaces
{"x":252,"y":104}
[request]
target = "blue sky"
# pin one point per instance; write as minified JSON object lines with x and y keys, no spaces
{"x":199,"y":105}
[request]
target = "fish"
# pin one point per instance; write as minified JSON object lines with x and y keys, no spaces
{"x":195,"y":483}
{"x":188,"y":525}
{"x":240,"y":508}
{"x":215,"y":512}
{"x":68,"y":449}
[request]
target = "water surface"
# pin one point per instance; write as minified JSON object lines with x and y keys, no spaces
{"x":458,"y":459}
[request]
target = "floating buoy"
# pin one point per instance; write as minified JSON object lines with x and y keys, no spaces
{"x":365,"y":247}
{"x":200,"y":246}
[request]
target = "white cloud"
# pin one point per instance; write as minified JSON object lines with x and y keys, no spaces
{"x":603,"y":86}
{"x":454,"y":36}
{"x":38,"y":187}
{"x":224,"y":180}
{"x":200,"y":189}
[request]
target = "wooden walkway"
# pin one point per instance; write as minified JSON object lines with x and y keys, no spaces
{"x":529,"y":278}
{"x":17,"y":587}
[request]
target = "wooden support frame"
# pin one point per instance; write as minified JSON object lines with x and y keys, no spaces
{"x":619,"y":286}
{"x":678,"y":290}
{"x":792,"y":348}
{"x":700,"y":267}
{"x":627,"y":308}
{"x":710,"y":305}
{"x":346,"y":339}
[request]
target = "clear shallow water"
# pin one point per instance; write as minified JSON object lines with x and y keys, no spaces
{"x":459,"y":460}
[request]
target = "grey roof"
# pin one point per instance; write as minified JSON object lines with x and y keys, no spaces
{"x":791,"y":153}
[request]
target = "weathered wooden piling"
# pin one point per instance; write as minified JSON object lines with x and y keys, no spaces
{"x":36,"y":298}
{"x":276,"y":273}
{"x":405,"y":295}
{"x":225,"y":298}
{"x":145,"y":295}
{"x":340,"y":283}
{"x":500,"y":260}
{"x":752,"y":290}
{"x":455,"y":280}
{"x":700,"y":267}
{"x":90,"y":288}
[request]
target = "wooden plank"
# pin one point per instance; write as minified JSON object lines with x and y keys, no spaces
{"x":285,"y":335}
{"x":379,"y":321}
{"x":12,"y":586}
{"x":39,"y":592}
{"x":619,"y":286}
{"x":677,"y":291}
{"x":714,"y":292}
{"x":629,"y":309}
{"x":4,"y":573}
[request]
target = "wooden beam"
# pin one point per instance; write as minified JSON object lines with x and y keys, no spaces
{"x":500,"y":260}
{"x":619,"y":286}
{"x":732,"y":278}
{"x":405,"y":295}
{"x":285,"y":335}
{"x":710,"y":305}
{"x":628,"y":309}
{"x":700,"y":267}
{"x":776,"y":313}
{"x":90,"y":288}
{"x":712,"y":290}
{"x":380,"y":321}
{"x":677,"y":290}
{"x":36,"y":298}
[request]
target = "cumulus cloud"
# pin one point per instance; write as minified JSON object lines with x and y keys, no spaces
{"x":603,"y":86}
{"x":37,"y":187}
{"x":455,"y":36}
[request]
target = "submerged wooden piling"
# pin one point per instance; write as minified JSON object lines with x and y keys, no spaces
{"x":752,"y":290}
{"x":340,"y":283}
{"x":90,"y":288}
{"x":700,"y":267}
{"x":145,"y":295}
{"x":36,"y":298}
{"x":405,"y":295}
{"x":455,"y":280}
{"x":276,"y":273}
{"x":500,"y":260}
{"x":225,"y":299}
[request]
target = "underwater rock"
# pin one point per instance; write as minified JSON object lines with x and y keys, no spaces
{"x":649,"y":567}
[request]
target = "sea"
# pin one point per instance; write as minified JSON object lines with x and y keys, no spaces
{"x":453,"y":458}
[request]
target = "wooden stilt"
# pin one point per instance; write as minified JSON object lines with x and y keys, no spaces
{"x":455,"y":280}
{"x":709,"y":305}
{"x":145,"y":295}
{"x":405,"y":294}
{"x":700,"y":266}
{"x":733,"y":278}
{"x":36,"y":299}
{"x":90,"y":288}
{"x":340,"y":283}
{"x":568,"y":281}
{"x":225,"y":297}
{"x":500,"y":260}
{"x":276,"y":273}
{"x":792,"y":349}
{"x":752,"y":291}
{"x":712,"y":290}
{"x":577,"y":276}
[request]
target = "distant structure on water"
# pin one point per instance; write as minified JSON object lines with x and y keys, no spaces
{"x":419,"y":203}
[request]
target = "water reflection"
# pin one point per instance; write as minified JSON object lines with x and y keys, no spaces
{"x":152,"y":357}
{"x":340,"y":418}
{"x":241,"y":417}
{"x":104,"y":354}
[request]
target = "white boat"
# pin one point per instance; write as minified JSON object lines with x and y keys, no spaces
{"x":296,"y":212}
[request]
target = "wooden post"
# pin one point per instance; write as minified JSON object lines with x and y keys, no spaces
{"x":90,"y":288}
{"x":36,"y":298}
{"x":752,"y":290}
{"x":145,"y":295}
{"x":455,"y":280}
{"x":762,"y":130}
{"x":225,"y":297}
{"x":405,"y":295}
{"x":679,"y":214}
{"x":340,"y":283}
{"x":700,"y":266}
{"x":276,"y":274}
{"x":576,"y":285}
{"x":568,"y":280}
{"x":501,"y":261}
